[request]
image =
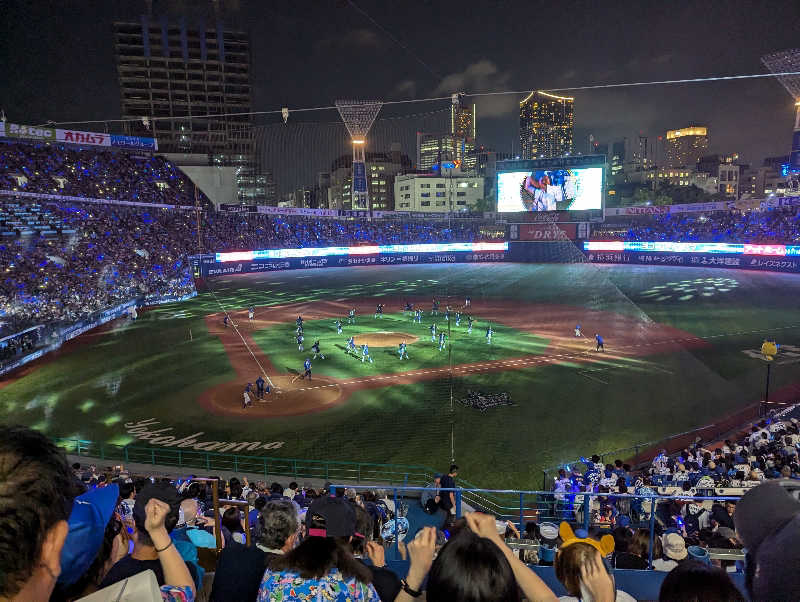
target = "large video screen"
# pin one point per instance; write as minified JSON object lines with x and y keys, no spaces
{"x":575,"y":189}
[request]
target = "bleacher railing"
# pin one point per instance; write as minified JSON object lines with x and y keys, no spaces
{"x":210,"y":462}
{"x":520,"y":507}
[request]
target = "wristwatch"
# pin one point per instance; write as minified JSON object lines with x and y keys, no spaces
{"x":407,"y":589}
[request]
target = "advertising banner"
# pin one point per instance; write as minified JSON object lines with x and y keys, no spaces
{"x":297,"y":211}
{"x":134,"y":142}
{"x":91,"y":138}
{"x":543,"y":232}
{"x":206,"y":266}
{"x":664,"y":209}
{"x":32,"y":132}
{"x":80,"y":199}
{"x":773,"y":264}
{"x":238,"y":208}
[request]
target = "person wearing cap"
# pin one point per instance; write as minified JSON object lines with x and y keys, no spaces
{"x":37,"y":490}
{"x":324,"y":558}
{"x":155,"y":515}
{"x":768,"y":524}
{"x":673,"y":551}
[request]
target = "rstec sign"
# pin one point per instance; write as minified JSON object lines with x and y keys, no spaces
{"x":15,"y":130}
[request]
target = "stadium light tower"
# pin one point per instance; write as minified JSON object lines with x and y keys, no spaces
{"x":788,"y":61}
{"x":358,"y":117}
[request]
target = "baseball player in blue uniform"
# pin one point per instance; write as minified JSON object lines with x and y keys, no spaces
{"x":489,"y":333}
{"x":578,"y":330}
{"x":307,"y":369}
{"x":467,"y":302}
{"x":441,"y":339}
{"x":300,"y":342}
{"x":402,"y":351}
{"x":299,"y":321}
{"x":315,"y":349}
{"x":299,"y":330}
{"x":338,"y":327}
{"x":378,"y":311}
{"x":469,"y":324}
{"x":260,"y":387}
{"x":351,"y":316}
{"x":433,"y":333}
{"x":409,"y":307}
{"x":251,"y":312}
{"x":458,"y":318}
{"x":447,"y":313}
{"x":435,"y":308}
{"x":225,"y":320}
{"x":351,"y":346}
{"x":365,"y":353}
{"x":418,"y":316}
{"x":599,"y":341}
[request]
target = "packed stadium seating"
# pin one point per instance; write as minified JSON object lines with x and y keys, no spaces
{"x":779,"y":225}
{"x":92,"y":173}
{"x":261,"y":525}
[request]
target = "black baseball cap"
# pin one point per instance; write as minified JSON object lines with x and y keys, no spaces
{"x":331,"y":517}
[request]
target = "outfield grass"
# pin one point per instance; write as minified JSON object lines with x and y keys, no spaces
{"x":152,"y":369}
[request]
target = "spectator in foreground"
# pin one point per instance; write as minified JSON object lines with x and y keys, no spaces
{"x":386,"y":582}
{"x":580,"y":569}
{"x":430,"y":497}
{"x":240,"y":569}
{"x":475,"y":565}
{"x":37,"y":490}
{"x":673,"y":551}
{"x":768,"y":524}
{"x":695,"y":581}
{"x":323,"y":562}
{"x":155,"y":515}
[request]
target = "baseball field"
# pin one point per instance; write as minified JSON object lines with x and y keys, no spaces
{"x":681,"y":351}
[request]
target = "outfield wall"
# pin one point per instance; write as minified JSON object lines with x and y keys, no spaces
{"x":771,"y":258}
{"x":271,"y":260}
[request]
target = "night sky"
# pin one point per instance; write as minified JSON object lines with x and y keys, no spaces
{"x":56,"y":60}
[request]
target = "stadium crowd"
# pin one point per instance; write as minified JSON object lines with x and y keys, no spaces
{"x":70,"y":531}
{"x":779,"y":225}
{"x":92,"y":173}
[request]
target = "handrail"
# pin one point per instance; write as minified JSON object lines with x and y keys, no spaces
{"x":210,"y":461}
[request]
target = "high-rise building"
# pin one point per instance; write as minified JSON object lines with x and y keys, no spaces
{"x":546,"y":124}
{"x":462,"y":121}
{"x":433,"y":149}
{"x":617,"y":158}
{"x":176,"y":83}
{"x":684,"y":147}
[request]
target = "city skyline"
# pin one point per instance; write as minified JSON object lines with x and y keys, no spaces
{"x":308,"y":54}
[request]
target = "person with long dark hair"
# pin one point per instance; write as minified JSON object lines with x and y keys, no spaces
{"x":323,"y":564}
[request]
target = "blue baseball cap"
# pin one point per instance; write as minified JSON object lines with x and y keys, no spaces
{"x":87,"y":525}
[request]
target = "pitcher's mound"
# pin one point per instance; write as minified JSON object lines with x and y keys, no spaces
{"x":384,"y":339}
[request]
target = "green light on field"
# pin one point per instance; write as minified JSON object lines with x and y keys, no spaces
{"x":87,"y":405}
{"x":685,"y":297}
{"x":40,"y":426}
{"x":121,"y":440}
{"x":111,"y":420}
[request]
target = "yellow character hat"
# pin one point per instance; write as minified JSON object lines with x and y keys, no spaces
{"x":605,"y":546}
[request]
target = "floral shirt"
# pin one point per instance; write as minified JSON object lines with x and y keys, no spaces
{"x":173,"y":593}
{"x":287,"y":586}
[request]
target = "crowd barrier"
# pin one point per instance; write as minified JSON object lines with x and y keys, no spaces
{"x":521,"y":507}
{"x":52,"y":337}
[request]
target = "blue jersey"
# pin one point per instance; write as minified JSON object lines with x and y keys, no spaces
{"x":599,"y":339}
{"x":260,"y":382}
{"x":365,"y":350}
{"x":307,"y":365}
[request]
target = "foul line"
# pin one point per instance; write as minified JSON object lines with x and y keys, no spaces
{"x":236,"y":328}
